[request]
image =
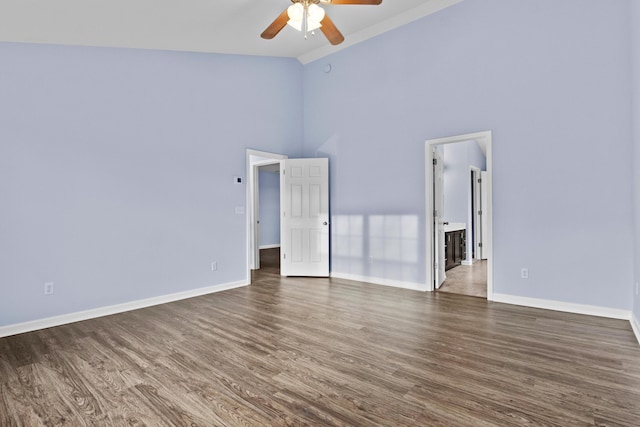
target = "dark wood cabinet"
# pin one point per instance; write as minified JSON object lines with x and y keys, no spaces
{"x":455,"y":248}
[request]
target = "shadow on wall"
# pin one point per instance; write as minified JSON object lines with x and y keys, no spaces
{"x":377,"y":245}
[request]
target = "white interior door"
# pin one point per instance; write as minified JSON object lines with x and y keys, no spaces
{"x":438,"y":218}
{"x":304,"y":237}
{"x":483,"y":244}
{"x":477,"y":216}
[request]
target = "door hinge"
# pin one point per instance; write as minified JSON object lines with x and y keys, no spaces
{"x":435,"y":212}
{"x":479,"y":212}
{"x":435,"y":162}
{"x":480,"y":244}
{"x":479,"y":180}
{"x":283,"y":172}
{"x":284,"y":256}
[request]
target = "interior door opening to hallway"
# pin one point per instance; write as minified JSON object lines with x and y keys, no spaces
{"x":304,"y":214}
{"x":459,"y":221}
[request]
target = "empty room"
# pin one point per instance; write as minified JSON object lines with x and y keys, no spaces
{"x":253,"y":213}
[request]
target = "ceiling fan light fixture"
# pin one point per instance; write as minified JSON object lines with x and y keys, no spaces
{"x":315,"y":14}
{"x":306,"y":16}
{"x":296,"y":12}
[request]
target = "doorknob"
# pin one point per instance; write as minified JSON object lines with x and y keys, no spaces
{"x":324,"y":223}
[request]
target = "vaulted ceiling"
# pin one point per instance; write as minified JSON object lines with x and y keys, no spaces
{"x":221,"y":26}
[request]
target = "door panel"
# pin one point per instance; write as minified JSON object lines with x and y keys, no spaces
{"x":438,"y":218}
{"x":484,"y":250}
{"x":296,"y":201}
{"x":315,"y":246}
{"x":305,"y":217}
{"x":476,"y":234}
{"x":315,"y":202}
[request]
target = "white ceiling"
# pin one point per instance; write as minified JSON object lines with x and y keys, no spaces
{"x":221,"y":26}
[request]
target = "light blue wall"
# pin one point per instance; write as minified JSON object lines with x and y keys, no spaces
{"x":269,"y":208}
{"x":635,"y":56}
{"x":116,"y":165}
{"x":550,"y":79}
{"x":116,"y":170}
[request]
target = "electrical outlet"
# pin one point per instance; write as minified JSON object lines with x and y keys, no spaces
{"x":524,"y":273}
{"x":214,"y":265}
{"x":48,"y":288}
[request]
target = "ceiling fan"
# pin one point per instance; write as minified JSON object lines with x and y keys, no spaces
{"x":307,"y":16}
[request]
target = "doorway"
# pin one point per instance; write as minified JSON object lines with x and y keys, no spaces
{"x":459,"y":228}
{"x":267,"y":215}
{"x":255,"y":161}
{"x":303,"y":215}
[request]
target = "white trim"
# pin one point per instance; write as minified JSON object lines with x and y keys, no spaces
{"x":467,"y":262}
{"x":49,"y":322}
{"x":635,"y":325}
{"x":427,"y":8}
{"x":266,"y":154}
{"x":252,"y":206}
{"x":277,"y":245}
{"x":590,"y":310}
{"x":473,"y":249}
{"x":485,"y":139}
{"x":265,"y":163}
{"x":380,"y":281}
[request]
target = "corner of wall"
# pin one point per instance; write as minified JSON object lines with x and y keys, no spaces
{"x":635,"y":325}
{"x":635,"y":126}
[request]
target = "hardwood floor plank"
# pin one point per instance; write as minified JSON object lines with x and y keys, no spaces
{"x":324,"y":352}
{"x":467,"y":280}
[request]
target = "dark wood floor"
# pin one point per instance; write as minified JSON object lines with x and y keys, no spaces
{"x":324,"y":352}
{"x":467,"y":280}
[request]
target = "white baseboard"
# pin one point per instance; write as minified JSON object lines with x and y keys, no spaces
{"x":591,"y":310}
{"x":635,"y":325}
{"x":465,"y":262}
{"x":49,"y":322}
{"x":379,"y":281}
{"x":277,"y":245}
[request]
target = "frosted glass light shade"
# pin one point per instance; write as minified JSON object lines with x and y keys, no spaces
{"x":295,"y":12}
{"x":315,"y":14}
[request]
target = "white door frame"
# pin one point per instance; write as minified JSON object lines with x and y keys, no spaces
{"x":484,"y":200}
{"x":485,"y":141}
{"x":254,"y":159}
{"x":438,"y":218}
{"x":473,"y":217}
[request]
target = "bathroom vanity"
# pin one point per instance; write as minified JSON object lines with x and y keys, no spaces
{"x":455,"y":244}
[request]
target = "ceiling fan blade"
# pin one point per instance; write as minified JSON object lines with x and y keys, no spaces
{"x":373,"y":2}
{"x":330,"y":31}
{"x":275,"y":27}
